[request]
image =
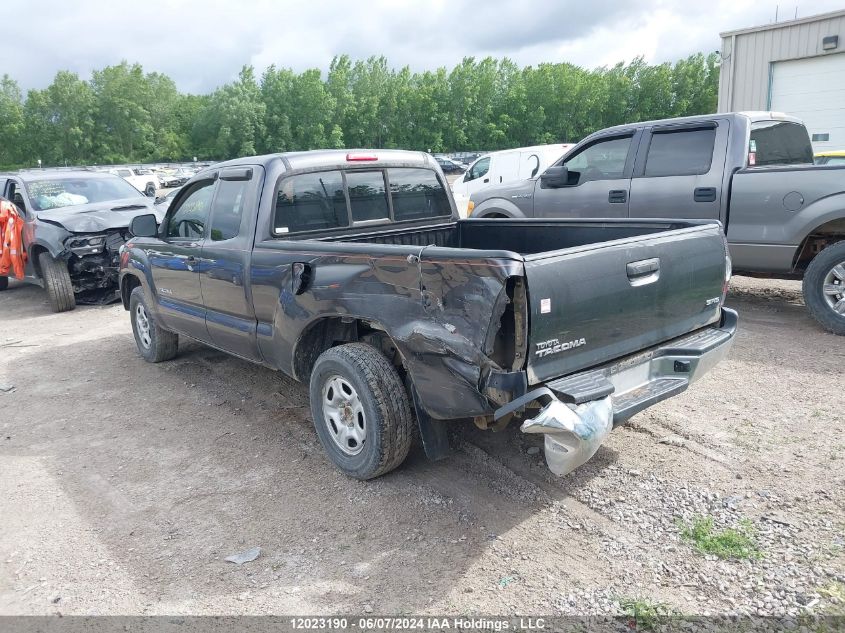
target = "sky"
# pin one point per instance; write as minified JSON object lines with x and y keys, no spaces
{"x":202,"y":45}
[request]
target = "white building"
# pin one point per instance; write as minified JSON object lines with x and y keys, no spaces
{"x":797,"y":67}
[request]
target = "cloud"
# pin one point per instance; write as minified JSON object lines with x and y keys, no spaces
{"x":202,"y":45}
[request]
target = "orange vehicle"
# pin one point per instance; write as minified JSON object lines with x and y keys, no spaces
{"x":12,"y":254}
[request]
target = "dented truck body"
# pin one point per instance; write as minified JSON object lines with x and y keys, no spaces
{"x":569,"y":325}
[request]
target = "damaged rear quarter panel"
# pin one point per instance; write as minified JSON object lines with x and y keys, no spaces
{"x":436,"y":304}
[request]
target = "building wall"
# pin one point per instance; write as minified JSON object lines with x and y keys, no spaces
{"x":748,"y":54}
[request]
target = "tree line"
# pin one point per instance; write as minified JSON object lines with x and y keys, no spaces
{"x":124,"y":115}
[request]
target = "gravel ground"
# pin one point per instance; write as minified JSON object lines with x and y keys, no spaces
{"x":124,"y":486}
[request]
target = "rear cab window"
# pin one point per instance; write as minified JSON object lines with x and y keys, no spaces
{"x":367,"y":196}
{"x":339,"y":199}
{"x":311,"y":202}
{"x":779,"y":143}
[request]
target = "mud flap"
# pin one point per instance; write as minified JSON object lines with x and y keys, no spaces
{"x":433,"y":433}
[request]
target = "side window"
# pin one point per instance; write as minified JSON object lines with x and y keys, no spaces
{"x":124,"y":173}
{"x":367,"y":195}
{"x":779,"y":143}
{"x":416,"y":194}
{"x":604,"y":160}
{"x":15,"y":195}
{"x":228,"y":209}
{"x":680,"y":153}
{"x":480,"y":168}
{"x":188,"y":220}
{"x":310,"y":202}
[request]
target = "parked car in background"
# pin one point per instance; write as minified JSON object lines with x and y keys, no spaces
{"x":163,"y":202}
{"x":503,"y":167}
{"x":75,"y":222}
{"x":449,"y":166}
{"x":142,"y":179}
{"x":351,"y":271}
{"x":833,"y":157}
{"x":784,"y":216}
{"x":178,"y":177}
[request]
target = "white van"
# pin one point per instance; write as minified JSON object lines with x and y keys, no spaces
{"x":505,"y":166}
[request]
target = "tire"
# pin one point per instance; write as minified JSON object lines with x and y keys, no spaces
{"x":155,"y":344}
{"x":57,"y":283}
{"x":150,"y":190}
{"x":822,"y":282}
{"x":377,"y":414}
{"x":4,"y":283}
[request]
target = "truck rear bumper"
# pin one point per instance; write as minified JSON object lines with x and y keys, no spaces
{"x":579,"y":411}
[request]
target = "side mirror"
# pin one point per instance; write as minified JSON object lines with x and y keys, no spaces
{"x":144,"y":225}
{"x":555,"y":177}
{"x":159,"y":200}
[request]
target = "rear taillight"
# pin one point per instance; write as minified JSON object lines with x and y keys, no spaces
{"x":355,"y":157}
{"x":728,"y":270}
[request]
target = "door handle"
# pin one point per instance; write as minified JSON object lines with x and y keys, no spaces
{"x":704,"y":194}
{"x":191,"y":260}
{"x":644,"y":271}
{"x":486,"y":180}
{"x":616,"y":196}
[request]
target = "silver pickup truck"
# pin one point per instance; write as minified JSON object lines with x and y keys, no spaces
{"x":753,"y":171}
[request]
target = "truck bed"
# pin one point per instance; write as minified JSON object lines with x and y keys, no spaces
{"x":597,"y":289}
{"x":523,"y":237}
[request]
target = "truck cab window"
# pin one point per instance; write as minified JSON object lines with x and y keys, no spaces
{"x":604,"y":160}
{"x":779,"y":143}
{"x":680,"y":153}
{"x":188,"y":220}
{"x":228,"y":209}
{"x":417,"y":194}
{"x":480,"y":168}
{"x":367,"y":195}
{"x":311,"y":202}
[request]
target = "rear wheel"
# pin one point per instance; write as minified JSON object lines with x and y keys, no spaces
{"x":4,"y":283}
{"x":361,"y":410}
{"x":824,"y":288}
{"x":57,"y":283}
{"x":155,"y":344}
{"x":150,"y":190}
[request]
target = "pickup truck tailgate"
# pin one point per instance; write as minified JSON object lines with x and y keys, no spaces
{"x":594,"y":303}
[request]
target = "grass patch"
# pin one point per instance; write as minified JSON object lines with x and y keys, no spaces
{"x":731,"y":543}
{"x":646,"y":614}
{"x":835,"y":594}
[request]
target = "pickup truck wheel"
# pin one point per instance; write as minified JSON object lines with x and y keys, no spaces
{"x":154,"y":343}
{"x":361,"y":410}
{"x":150,"y":191}
{"x":57,"y":283}
{"x":824,"y":288}
{"x":4,"y":283}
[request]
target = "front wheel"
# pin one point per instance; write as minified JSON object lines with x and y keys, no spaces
{"x":150,"y":191}
{"x":361,"y":410}
{"x":57,"y":283}
{"x":154,"y":343}
{"x":824,"y":288}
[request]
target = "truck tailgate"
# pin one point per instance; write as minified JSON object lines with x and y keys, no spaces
{"x":594,"y":303}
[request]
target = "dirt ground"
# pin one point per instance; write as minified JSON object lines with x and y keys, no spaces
{"x":125,"y":485}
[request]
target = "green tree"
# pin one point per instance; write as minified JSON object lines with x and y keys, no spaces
{"x":11,"y":122}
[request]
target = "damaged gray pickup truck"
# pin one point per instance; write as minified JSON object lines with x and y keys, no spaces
{"x":75,"y":222}
{"x":351,"y":271}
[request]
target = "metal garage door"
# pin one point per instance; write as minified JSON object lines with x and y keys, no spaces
{"x":813,"y":89}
